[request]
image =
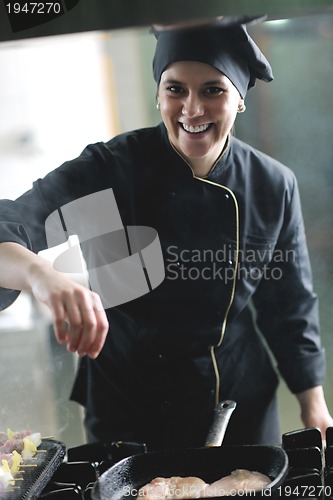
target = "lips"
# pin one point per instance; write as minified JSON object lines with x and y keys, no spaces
{"x":196,"y":129}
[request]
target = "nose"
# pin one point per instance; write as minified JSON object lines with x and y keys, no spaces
{"x":192,"y":106}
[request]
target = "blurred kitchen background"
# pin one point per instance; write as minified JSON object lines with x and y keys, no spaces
{"x":59,"y":93}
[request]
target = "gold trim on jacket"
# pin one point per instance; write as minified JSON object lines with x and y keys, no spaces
{"x":224,"y":324}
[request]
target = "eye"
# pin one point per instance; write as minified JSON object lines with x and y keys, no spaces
{"x":214,"y":90}
{"x":175,"y":89}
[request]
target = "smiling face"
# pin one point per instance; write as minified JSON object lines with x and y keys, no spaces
{"x":198,"y":105}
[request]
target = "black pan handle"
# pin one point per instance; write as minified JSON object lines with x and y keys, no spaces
{"x":222,"y":414}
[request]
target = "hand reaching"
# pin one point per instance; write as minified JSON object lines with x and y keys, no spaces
{"x":77,"y":313}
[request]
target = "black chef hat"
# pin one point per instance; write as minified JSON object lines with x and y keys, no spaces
{"x":229,"y":49}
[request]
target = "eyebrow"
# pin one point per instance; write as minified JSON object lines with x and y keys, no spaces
{"x":171,"y":81}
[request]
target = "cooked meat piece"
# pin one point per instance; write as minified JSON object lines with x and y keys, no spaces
{"x":240,"y":480}
{"x":12,"y":444}
{"x":19,"y":434}
{"x":175,"y":487}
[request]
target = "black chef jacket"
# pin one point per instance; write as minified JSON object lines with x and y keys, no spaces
{"x":237,"y":277}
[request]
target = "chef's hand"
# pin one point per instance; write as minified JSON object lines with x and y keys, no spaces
{"x":78,"y":316}
{"x":314,"y":411}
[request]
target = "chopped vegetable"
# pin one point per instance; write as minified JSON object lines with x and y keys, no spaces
{"x":5,"y":475}
{"x":29,"y":448}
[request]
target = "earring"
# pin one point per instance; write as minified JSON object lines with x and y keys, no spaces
{"x":241,"y":107}
{"x":158,"y":106}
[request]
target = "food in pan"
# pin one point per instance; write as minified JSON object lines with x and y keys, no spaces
{"x":172,"y":487}
{"x":15,"y":449}
{"x":25,"y":443}
{"x":5,"y":477}
{"x":14,"y":460}
{"x":240,"y":481}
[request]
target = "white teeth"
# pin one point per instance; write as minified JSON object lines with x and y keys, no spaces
{"x":196,"y":129}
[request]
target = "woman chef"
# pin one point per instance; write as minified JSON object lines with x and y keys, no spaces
{"x":237,"y":271}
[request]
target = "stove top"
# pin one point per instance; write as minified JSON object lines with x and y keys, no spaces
{"x":310,"y":474}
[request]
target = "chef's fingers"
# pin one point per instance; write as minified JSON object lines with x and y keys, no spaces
{"x":59,"y":323}
{"x":68,"y":319}
{"x":92,"y":344}
{"x":77,"y":322}
{"x":102,"y":328}
{"x":79,"y":319}
{"x":88,"y":326}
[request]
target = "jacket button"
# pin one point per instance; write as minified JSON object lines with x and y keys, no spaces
{"x":172,"y":194}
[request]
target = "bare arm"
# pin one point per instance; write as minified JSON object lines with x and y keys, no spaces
{"x":314,"y":411}
{"x":21,"y":269}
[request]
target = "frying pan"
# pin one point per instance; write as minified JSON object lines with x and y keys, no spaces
{"x":212,"y":462}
